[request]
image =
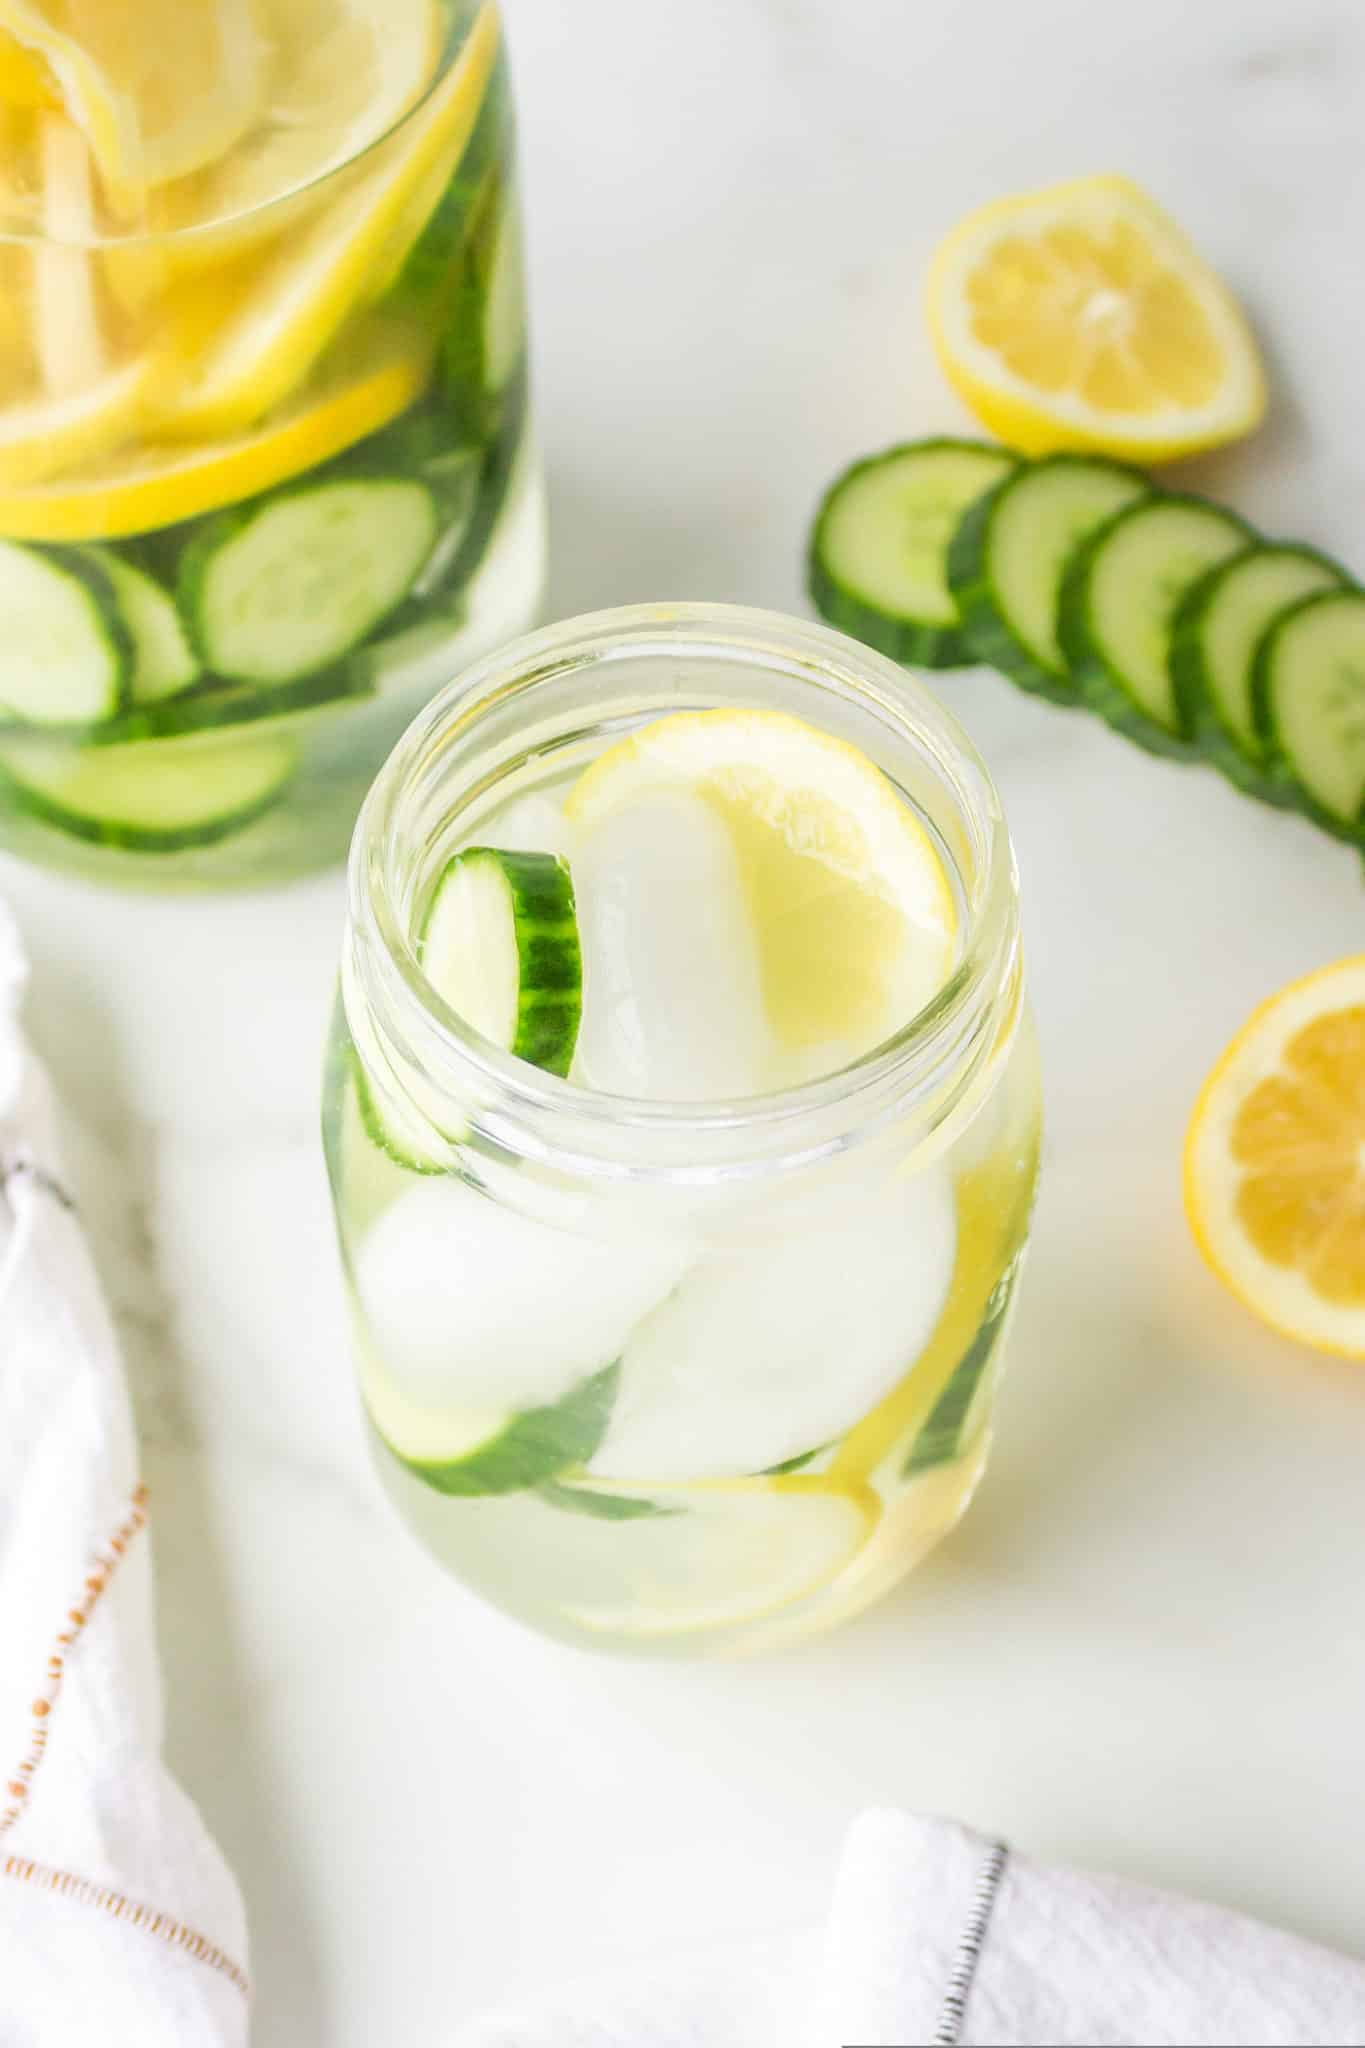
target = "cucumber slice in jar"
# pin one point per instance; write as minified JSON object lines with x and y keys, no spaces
{"x":67,"y":653}
{"x":500,"y":944}
{"x":215,"y":707}
{"x":164,"y":662}
{"x":153,"y":798}
{"x":1218,"y":629}
{"x":512,"y":1455}
{"x":879,"y":549}
{"x":1120,"y":593}
{"x":1309,"y":687}
{"x":286,"y":586}
{"x":1006,"y":561}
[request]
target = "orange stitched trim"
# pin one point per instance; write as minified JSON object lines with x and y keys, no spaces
{"x":105,"y":1565}
{"x":173,"y":1932}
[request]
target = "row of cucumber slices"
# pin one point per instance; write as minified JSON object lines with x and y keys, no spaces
{"x":1082,"y":582}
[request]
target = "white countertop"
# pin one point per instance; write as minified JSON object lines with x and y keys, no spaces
{"x":1145,"y":1649}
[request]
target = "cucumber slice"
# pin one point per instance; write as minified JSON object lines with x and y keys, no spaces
{"x":164,"y":662}
{"x":1005,"y":562}
{"x":214,"y":706}
{"x":286,"y":586}
{"x":1309,"y":686}
{"x":1218,"y":628}
{"x":500,"y":944}
{"x":156,"y":798}
{"x":879,"y":549}
{"x":1120,"y":592}
{"x":524,"y":1451}
{"x":949,"y":1431}
{"x":67,"y":654}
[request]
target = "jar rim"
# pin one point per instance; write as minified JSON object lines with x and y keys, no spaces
{"x":524,"y":1109}
{"x":152,"y":239}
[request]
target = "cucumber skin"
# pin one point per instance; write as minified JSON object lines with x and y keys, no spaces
{"x":1097,"y":685}
{"x":135,"y":838}
{"x":1351,"y":833}
{"x":213,"y":706}
{"x":909,"y":641}
{"x":544,"y":914}
{"x":987,"y":631}
{"x":99,"y":588}
{"x":378,"y":1132}
{"x":1268,"y":780}
{"x":535,"y":1446}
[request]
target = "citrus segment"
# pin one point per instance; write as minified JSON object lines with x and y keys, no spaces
{"x":1081,"y":317}
{"x":1275,"y":1162}
{"x":159,"y":485}
{"x":307,"y":288}
{"x":159,"y":87}
{"x":848,"y":904}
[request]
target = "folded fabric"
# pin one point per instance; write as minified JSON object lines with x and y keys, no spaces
{"x":936,"y":1935}
{"x":119,"y":1923}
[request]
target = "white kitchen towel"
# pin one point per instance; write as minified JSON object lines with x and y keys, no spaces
{"x":937,"y":1935}
{"x":120,"y":1925}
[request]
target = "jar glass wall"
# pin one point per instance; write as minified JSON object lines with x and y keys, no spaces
{"x":808,"y":1290}
{"x":266,"y":468}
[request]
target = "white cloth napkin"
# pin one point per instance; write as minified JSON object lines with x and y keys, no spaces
{"x":936,"y":1935}
{"x":120,"y":1926}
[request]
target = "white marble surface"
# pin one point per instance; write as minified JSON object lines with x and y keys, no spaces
{"x":1146,"y":1647}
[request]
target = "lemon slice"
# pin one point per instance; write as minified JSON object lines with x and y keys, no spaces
{"x":158,"y":485}
{"x":160,"y":87}
{"x":1081,"y":317}
{"x":1275,"y":1162}
{"x":848,"y":904}
{"x":25,"y":80}
{"x":318,"y":276}
{"x":720,"y":1555}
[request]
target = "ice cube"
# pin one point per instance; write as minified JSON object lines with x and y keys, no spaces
{"x":771,"y":1350}
{"x":470,"y":1303}
{"x":672,"y":1002}
{"x":534,"y":823}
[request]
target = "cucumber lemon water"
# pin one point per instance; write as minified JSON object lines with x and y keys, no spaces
{"x":1081,"y":581}
{"x":265,"y":474}
{"x":656,"y":1424}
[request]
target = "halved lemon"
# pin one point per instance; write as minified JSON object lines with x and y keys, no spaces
{"x":153,"y":486}
{"x":1082,"y":317}
{"x":160,"y":87}
{"x":318,"y":276}
{"x":848,"y":900}
{"x":1275,"y":1162}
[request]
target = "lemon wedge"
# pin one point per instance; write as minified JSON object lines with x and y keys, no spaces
{"x":848,"y":905}
{"x":156,"y":485}
{"x":159,"y":87}
{"x":1081,"y":317}
{"x":305,"y":290}
{"x":1275,"y":1162}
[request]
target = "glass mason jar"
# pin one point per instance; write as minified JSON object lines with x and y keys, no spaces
{"x":266,"y":470}
{"x":893,"y":1195}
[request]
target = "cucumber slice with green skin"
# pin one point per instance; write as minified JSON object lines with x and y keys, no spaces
{"x":528,"y":1450}
{"x":500,"y":944}
{"x":576,"y":1499}
{"x":879,"y":548}
{"x":1309,"y":690}
{"x":286,"y":586}
{"x":948,"y":1432}
{"x":68,"y":654}
{"x":1006,"y":560}
{"x":164,"y":662}
{"x":215,"y":706}
{"x":1218,"y":629}
{"x":1120,"y":593}
{"x":157,"y":798}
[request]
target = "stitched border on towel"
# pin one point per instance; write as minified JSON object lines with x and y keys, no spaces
{"x":953,"y":2011}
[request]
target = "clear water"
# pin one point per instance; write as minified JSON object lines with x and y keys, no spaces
{"x":722,"y":1419}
